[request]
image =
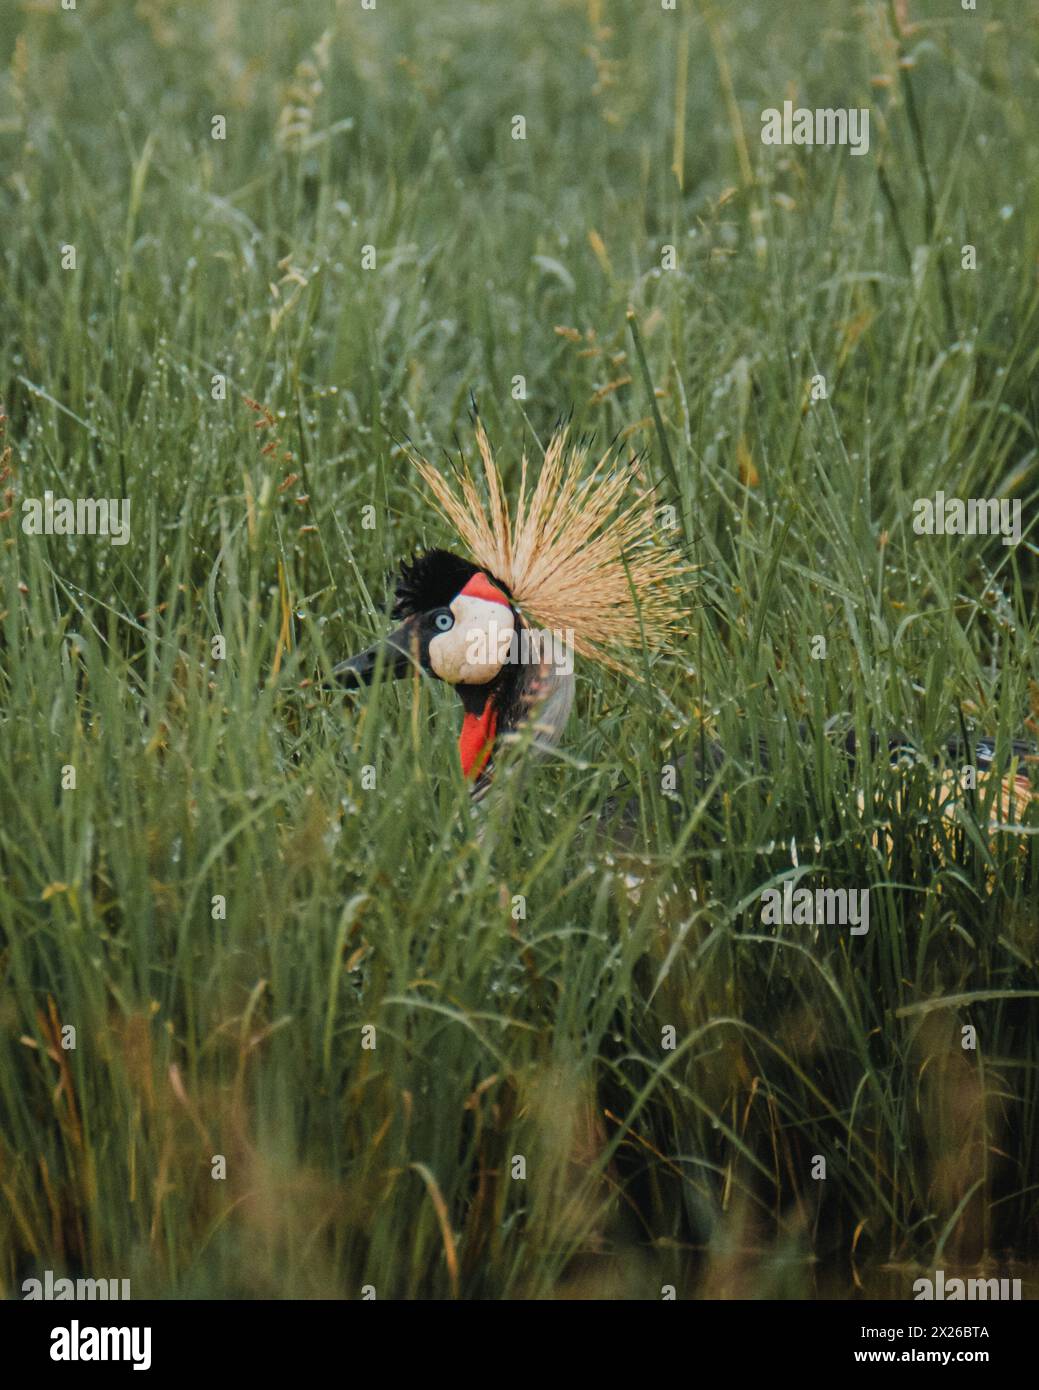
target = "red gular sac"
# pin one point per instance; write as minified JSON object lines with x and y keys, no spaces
{"x":479,"y":727}
{"x":476,"y":742}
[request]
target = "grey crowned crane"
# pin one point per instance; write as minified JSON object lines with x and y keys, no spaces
{"x":575,"y":567}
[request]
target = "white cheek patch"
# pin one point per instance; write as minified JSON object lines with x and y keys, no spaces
{"x":478,"y":645}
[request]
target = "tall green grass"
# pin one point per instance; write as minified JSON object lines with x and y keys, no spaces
{"x":349,"y":907}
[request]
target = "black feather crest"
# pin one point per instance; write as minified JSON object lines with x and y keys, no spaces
{"x":430,"y":580}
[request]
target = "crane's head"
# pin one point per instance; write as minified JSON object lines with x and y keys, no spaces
{"x":574,"y":564}
{"x":458,"y":625}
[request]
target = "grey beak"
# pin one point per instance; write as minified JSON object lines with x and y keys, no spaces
{"x":398,"y":653}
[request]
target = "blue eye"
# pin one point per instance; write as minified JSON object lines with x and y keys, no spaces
{"x":444,"y":621}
